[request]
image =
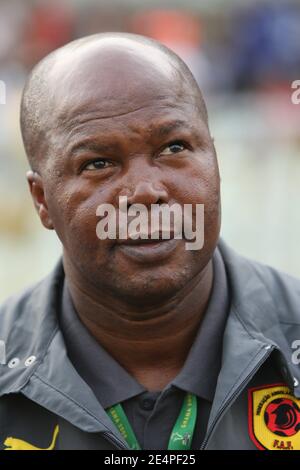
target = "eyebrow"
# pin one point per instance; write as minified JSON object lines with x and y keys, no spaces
{"x":169,"y":127}
{"x":92,"y":146}
{"x":98,"y":147}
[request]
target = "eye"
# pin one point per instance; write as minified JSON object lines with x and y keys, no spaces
{"x":174,"y":147}
{"x":99,"y":164}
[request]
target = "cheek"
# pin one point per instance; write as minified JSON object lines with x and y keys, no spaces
{"x":73,"y":211}
{"x":199,"y":183}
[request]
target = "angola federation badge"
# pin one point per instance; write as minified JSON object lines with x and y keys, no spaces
{"x":274,"y":418}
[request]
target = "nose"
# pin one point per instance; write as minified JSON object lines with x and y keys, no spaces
{"x":147,"y":192}
{"x":143,"y":183}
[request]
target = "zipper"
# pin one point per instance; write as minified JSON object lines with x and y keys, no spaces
{"x":230,"y":400}
{"x":114,"y":440}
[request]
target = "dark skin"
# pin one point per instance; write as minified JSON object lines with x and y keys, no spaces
{"x":138,"y":133}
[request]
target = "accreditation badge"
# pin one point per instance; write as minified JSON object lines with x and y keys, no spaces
{"x":274,"y":418}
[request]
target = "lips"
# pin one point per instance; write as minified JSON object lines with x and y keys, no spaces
{"x":154,"y":238}
{"x":147,"y":251}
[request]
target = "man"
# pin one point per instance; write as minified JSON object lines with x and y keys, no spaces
{"x":134,"y":343}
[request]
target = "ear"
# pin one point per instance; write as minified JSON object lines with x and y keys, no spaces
{"x":38,"y":195}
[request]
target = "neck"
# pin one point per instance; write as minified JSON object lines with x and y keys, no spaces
{"x":153,"y":349}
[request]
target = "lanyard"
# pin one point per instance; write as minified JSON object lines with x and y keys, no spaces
{"x":182,"y":432}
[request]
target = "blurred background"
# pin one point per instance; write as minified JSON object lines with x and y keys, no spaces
{"x":245,"y":56}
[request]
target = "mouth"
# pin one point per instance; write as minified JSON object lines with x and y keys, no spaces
{"x":146,"y":238}
{"x":148,"y":250}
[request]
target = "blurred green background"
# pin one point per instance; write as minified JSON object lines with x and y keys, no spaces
{"x":245,"y":55}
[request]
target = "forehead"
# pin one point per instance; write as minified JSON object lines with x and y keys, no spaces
{"x":129,"y":112}
{"x":121,"y":104}
{"x":157,"y":115}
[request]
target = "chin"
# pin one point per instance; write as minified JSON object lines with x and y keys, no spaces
{"x":151,"y":288}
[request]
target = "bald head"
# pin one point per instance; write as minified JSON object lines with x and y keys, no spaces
{"x":121,"y":72}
